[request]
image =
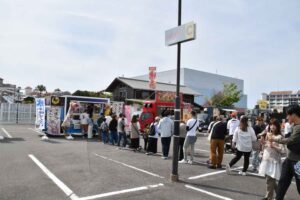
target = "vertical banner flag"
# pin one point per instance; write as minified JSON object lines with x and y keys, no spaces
{"x":152,"y":77}
{"x":40,"y":112}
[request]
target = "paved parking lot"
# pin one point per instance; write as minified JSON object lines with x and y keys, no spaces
{"x":80,"y":169}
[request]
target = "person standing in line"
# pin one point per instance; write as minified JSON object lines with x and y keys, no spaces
{"x":84,"y":123}
{"x":182,"y":135}
{"x":104,"y":130}
{"x":291,"y":165}
{"x":270,"y":166}
{"x":242,"y":139}
{"x":146,"y":136}
{"x":191,"y":137}
{"x":258,"y":128}
{"x":166,"y":128}
{"x":135,"y":133}
{"x":232,"y":124}
{"x":218,"y":134}
{"x":99,"y":122}
{"x":153,"y":136}
{"x":90,"y":128}
{"x":113,"y":130}
{"x":121,"y":130}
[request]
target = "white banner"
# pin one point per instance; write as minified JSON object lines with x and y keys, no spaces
{"x":40,"y":112}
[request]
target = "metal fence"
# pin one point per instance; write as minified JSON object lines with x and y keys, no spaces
{"x":17,"y":113}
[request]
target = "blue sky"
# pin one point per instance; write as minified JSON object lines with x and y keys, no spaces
{"x":84,"y":44}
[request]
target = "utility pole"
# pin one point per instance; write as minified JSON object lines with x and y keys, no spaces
{"x":174,"y":175}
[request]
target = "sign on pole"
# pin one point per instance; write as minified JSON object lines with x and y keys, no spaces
{"x":183,"y":33}
{"x":152,"y":77}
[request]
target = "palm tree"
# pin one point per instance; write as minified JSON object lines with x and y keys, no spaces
{"x":41,"y":88}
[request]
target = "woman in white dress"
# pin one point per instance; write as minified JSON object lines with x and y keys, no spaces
{"x":270,"y":166}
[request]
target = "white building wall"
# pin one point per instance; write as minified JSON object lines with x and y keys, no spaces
{"x":205,"y":83}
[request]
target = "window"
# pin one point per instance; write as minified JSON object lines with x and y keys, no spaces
{"x":146,"y":115}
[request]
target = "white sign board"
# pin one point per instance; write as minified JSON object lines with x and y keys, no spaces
{"x":40,"y":112}
{"x":183,"y":33}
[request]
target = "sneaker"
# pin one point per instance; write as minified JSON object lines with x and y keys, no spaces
{"x":164,"y":158}
{"x":190,"y":162}
{"x":228,"y":169}
{"x":242,"y":173}
{"x":183,"y":161}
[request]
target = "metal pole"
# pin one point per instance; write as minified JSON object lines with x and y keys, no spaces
{"x":174,"y":175}
{"x":18,"y":97}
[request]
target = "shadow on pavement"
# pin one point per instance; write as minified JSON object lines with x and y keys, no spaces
{"x":11,"y":140}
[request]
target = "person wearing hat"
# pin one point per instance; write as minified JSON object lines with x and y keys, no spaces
{"x":232,"y":124}
{"x":153,"y":137}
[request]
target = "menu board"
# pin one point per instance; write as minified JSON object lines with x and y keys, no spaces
{"x":53,"y":120}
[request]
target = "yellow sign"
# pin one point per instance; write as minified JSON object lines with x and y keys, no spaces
{"x":262,"y":104}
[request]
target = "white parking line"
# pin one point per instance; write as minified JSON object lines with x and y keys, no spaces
{"x":7,"y":134}
{"x":211,"y":174}
{"x":130,"y":166}
{"x":122,"y":192}
{"x":207,"y":192}
{"x":37,"y":131}
{"x":58,"y":182}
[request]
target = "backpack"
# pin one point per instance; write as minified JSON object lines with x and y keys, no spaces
{"x":152,"y":130}
{"x":104,"y":127}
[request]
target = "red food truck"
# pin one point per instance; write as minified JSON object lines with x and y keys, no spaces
{"x":164,"y":101}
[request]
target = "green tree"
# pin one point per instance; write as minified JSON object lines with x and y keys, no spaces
{"x":57,"y":90}
{"x":92,"y":94}
{"x":227,"y":97}
{"x":41,"y":88}
{"x":28,"y":100}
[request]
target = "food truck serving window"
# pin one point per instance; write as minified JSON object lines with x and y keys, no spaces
{"x":146,"y":115}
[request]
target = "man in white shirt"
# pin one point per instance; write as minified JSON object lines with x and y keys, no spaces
{"x":232,"y":124}
{"x":165,"y":128}
{"x":190,"y":140}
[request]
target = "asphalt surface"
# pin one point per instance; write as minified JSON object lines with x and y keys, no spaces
{"x":80,"y":169}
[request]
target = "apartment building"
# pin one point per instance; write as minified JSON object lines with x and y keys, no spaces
{"x":281,"y":99}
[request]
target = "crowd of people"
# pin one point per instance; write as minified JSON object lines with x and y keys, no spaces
{"x":264,"y":143}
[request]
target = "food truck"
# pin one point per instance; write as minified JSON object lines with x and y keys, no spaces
{"x":164,"y":101}
{"x":57,"y":111}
